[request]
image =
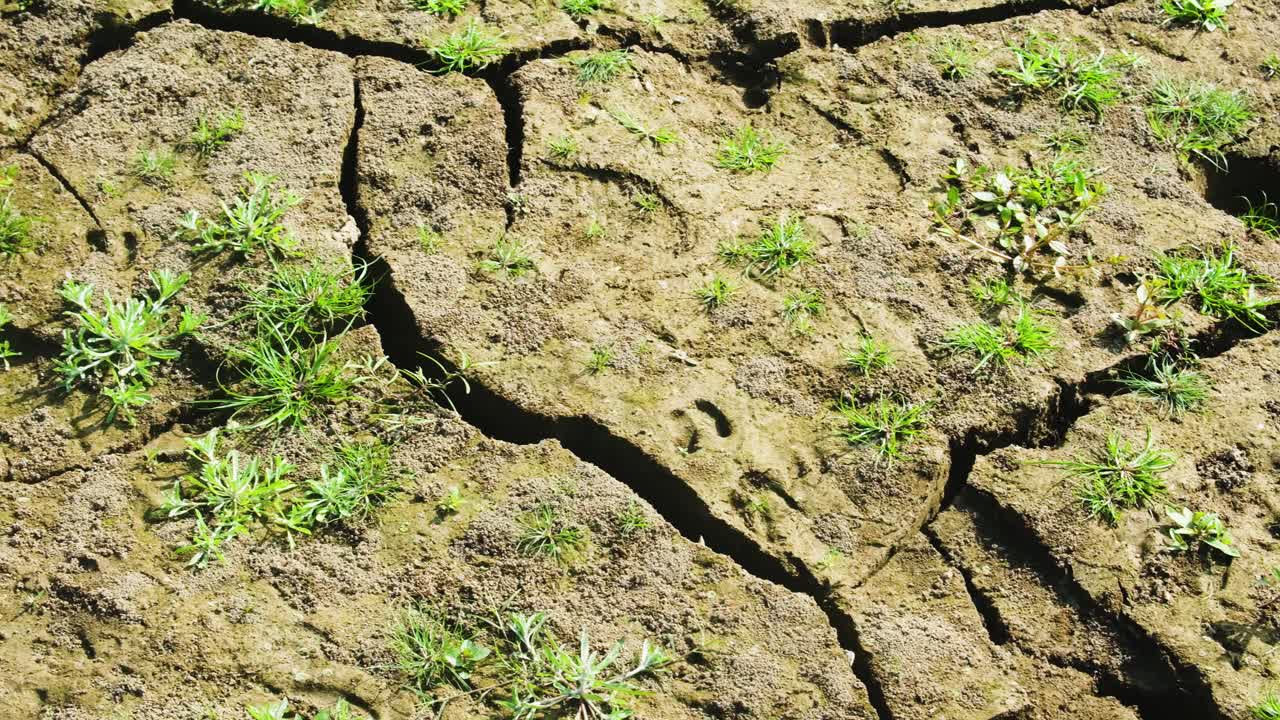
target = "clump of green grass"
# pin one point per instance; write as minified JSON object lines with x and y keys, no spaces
{"x":778,"y":249}
{"x":433,"y":653}
{"x":1119,"y":477}
{"x":1223,"y":288}
{"x":1206,"y":15}
{"x":885,"y":424}
{"x":563,"y":148}
{"x":510,"y":257}
{"x":119,"y":347}
{"x":867,"y":355}
{"x":715,"y":293}
{"x":632,"y":519}
{"x":154,"y":166}
{"x":6,"y":351}
{"x":747,"y":151}
{"x":1084,"y":83}
{"x":1196,"y":118}
{"x":994,"y":294}
{"x":443,"y":8}
{"x":16,"y":237}
{"x":1267,"y":709}
{"x":1192,"y":529}
{"x":251,"y":223}
{"x":312,"y":299}
{"x":801,"y":307}
{"x":603,"y":67}
{"x":1020,"y":217}
{"x":303,"y":12}
{"x":545,"y":533}
{"x":647,"y":203}
{"x":1176,"y":388}
{"x":954,"y":58}
{"x":451,"y":503}
{"x":578,"y":9}
{"x":602,"y":357}
{"x":472,"y":48}
{"x":1024,"y":338}
{"x":212,"y":133}
{"x":341,"y":710}
{"x":659,"y":137}
{"x":358,"y":480}
{"x":1263,"y":218}
{"x":1271,"y":66}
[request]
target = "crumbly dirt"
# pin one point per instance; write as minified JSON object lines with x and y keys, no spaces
{"x":791,"y":574}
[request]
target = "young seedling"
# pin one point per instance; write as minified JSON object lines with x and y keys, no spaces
{"x":601,"y":360}
{"x":213,"y":133}
{"x":509,"y":257}
{"x":715,"y":293}
{"x":1084,"y":83}
{"x":886,"y":424}
{"x":647,"y":203}
{"x":310,"y":300}
{"x":777,"y":250}
{"x":1263,"y":218}
{"x":154,"y":166}
{"x":1022,"y":218}
{"x":545,"y":533}
{"x":251,"y":223}
{"x":1196,"y":118}
{"x":1024,"y":338}
{"x":659,"y":137}
{"x":1224,"y":289}
{"x":1206,"y":15}
{"x":747,"y":151}
{"x":472,"y":48}
{"x":442,"y":8}
{"x":341,"y":710}
{"x":578,"y":9}
{"x":994,"y":294}
{"x":801,"y":307}
{"x":594,"y":231}
{"x":1150,"y":317}
{"x":1119,"y":477}
{"x":451,"y":503}
{"x":1177,"y":389}
{"x":432,"y":652}
{"x":867,"y":355}
{"x":632,"y":519}
{"x":1193,"y":529}
{"x":303,"y":12}
{"x":356,"y":480}
{"x":1271,"y":66}
{"x":119,"y":347}
{"x":603,"y":67}
{"x":429,"y":239}
{"x":1267,"y":709}
{"x":6,"y":351}
{"x":16,"y":237}
{"x":563,"y":148}
{"x":954,"y":58}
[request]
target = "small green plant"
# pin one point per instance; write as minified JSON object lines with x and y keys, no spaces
{"x":509,"y":256}
{"x":659,"y":137}
{"x":646,"y":203}
{"x":1066,"y":140}
{"x":303,"y":12}
{"x":1206,"y":15}
{"x":715,"y":293}
{"x":154,"y":166}
{"x":1020,"y":217}
{"x":1193,"y":529}
{"x":563,"y":148}
{"x":632,"y":519}
{"x":432,"y":652}
{"x":1084,"y":83}
{"x":544,"y":533}
{"x":994,"y":294}
{"x":603,"y":67}
{"x":578,"y":9}
{"x":251,"y":223}
{"x":1150,"y":316}
{"x":886,"y":424}
{"x":778,"y":249}
{"x":429,"y":239}
{"x":1176,"y":388}
{"x":594,"y":231}
{"x":119,"y":347}
{"x":801,"y":307}
{"x":954,"y":58}
{"x":312,"y":299}
{"x":16,"y":237}
{"x":1023,"y":338}
{"x":1271,"y":66}
{"x":212,"y":133}
{"x":755,"y":505}
{"x":451,"y":503}
{"x":341,"y":710}
{"x":472,"y":48}
{"x":1196,"y":118}
{"x":443,"y":8}
{"x":358,"y":479}
{"x":867,"y":355}
{"x":1224,"y":289}
{"x":1263,"y":218}
{"x":1119,"y":477}
{"x":6,"y":351}
{"x":747,"y":151}
{"x":601,"y":360}
{"x":1267,"y":709}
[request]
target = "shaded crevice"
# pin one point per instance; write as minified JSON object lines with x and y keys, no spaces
{"x":53,"y":170}
{"x":1242,"y":183}
{"x":994,"y":625}
{"x":115,"y":33}
{"x":856,"y":32}
{"x":513,"y":119}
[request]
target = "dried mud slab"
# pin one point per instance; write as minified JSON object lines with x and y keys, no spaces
{"x":124,"y":626}
{"x":1207,"y":616}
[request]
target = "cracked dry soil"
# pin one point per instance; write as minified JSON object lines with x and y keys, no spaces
{"x":789,"y":574}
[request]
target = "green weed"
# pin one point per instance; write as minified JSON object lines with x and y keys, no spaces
{"x":1177,"y":389}
{"x":1206,"y":15}
{"x":1119,"y":477}
{"x":632,"y":519}
{"x":6,"y":351}
{"x":603,"y":67}
{"x":1224,"y":289}
{"x":472,"y":48}
{"x":1263,"y":218}
{"x":443,"y":8}
{"x":601,"y":360}
{"x":432,"y":652}
{"x":867,"y":355}
{"x":1193,"y":529}
{"x":715,"y":293}
{"x":16,"y":237}
{"x":888,"y":425}
{"x":544,"y":533}
{"x":358,"y":480}
{"x":509,"y":256}
{"x":659,"y":137}
{"x":303,"y":12}
{"x":451,"y":503}
{"x":251,"y":223}
{"x":1271,"y":66}
{"x":341,"y":710}
{"x":646,"y":203}
{"x":954,"y":58}
{"x":429,"y":239}
{"x":312,"y":300}
{"x":119,"y":347}
{"x":801,"y":307}
{"x":578,"y":9}
{"x":1083,"y":83}
{"x":778,"y":249}
{"x":563,"y":148}
{"x":1196,"y":118}
{"x":747,"y":151}
{"x":1267,"y":709}
{"x":211,"y":134}
{"x":994,"y":294}
{"x":154,"y":166}
{"x":1024,"y":338}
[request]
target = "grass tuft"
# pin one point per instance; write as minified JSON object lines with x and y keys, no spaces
{"x":1196,"y":118}
{"x":472,"y":48}
{"x":888,"y":425}
{"x":954,"y":58}
{"x":154,"y":167}
{"x":603,"y":67}
{"x":251,"y":223}
{"x":442,"y":8}
{"x":1087,"y":84}
{"x":1206,"y":15}
{"x":1119,"y":477}
{"x":867,"y":355}
{"x":1223,"y":288}
{"x":747,"y":151}
{"x":1177,"y":389}
{"x":544,"y":533}
{"x":510,"y":257}
{"x":211,"y":134}
{"x":778,"y":249}
{"x":1024,"y":338}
